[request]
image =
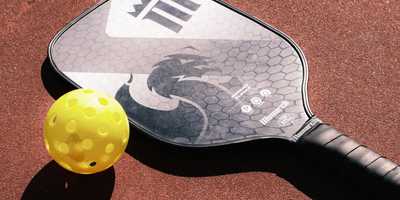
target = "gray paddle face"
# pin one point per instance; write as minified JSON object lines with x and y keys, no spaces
{"x":188,"y":72}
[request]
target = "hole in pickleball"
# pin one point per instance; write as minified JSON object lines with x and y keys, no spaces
{"x":62,"y":148}
{"x":92,"y":164}
{"x":71,"y":126}
{"x":102,"y":131}
{"x":87,"y":144}
{"x":103,"y":101}
{"x":125,"y":140}
{"x":109,"y":148}
{"x":53,"y":120}
{"x":88,"y":91}
{"x":46,"y":143}
{"x":117,"y":117}
{"x":72,"y":102}
{"x":90,"y":112}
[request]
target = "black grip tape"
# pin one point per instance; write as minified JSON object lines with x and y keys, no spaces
{"x":325,"y":136}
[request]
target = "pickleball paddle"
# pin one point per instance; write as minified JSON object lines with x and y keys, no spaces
{"x":200,"y":73}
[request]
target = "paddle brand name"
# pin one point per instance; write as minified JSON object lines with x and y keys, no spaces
{"x":274,"y":113}
{"x":170,"y":14}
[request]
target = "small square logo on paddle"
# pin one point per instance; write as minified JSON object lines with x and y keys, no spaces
{"x":167,"y":13}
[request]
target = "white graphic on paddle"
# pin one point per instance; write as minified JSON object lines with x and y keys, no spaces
{"x":180,"y":19}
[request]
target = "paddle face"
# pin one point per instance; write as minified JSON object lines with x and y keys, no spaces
{"x":188,"y":72}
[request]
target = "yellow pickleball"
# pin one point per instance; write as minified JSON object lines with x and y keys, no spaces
{"x":86,"y":131}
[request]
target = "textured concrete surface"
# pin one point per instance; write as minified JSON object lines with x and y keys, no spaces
{"x":353,"y":53}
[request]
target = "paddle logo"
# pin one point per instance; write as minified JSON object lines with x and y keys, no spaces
{"x":178,"y":77}
{"x":167,"y":13}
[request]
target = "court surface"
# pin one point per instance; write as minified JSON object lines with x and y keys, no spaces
{"x":353,"y":53}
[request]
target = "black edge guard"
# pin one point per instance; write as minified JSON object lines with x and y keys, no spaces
{"x":332,"y":140}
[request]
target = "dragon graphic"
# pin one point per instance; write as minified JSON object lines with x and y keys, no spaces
{"x":201,"y":103}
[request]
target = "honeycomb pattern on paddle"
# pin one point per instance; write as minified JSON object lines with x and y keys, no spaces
{"x":267,"y":65}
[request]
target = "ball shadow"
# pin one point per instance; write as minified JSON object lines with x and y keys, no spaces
{"x":317,"y":174}
{"x":54,"y":182}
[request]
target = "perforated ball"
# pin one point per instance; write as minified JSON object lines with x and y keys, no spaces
{"x":86,"y":131}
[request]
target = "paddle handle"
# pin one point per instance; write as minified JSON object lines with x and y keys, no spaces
{"x":327,"y":137}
